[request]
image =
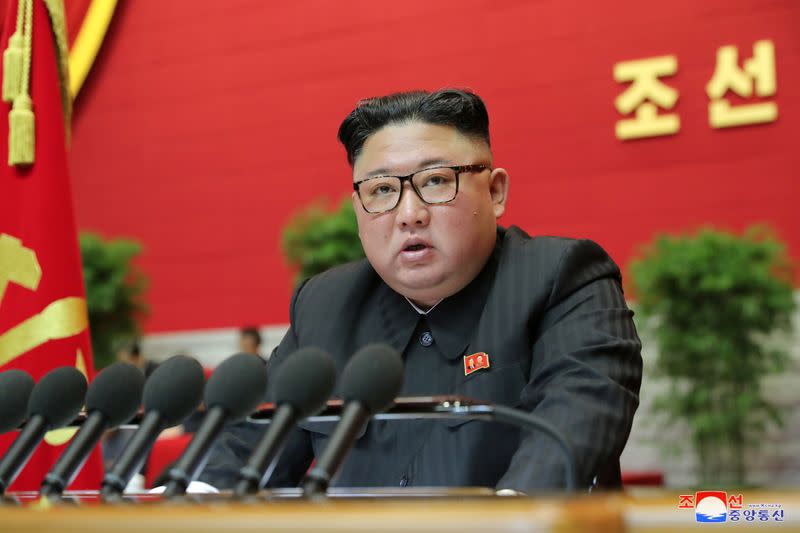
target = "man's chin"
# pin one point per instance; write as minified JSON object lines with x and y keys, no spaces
{"x":419,"y":288}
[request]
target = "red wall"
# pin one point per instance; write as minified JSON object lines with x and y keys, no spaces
{"x":205,"y":125}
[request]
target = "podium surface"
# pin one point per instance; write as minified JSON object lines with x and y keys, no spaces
{"x":463,"y":511}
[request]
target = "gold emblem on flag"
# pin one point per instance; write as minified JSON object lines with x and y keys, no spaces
{"x":62,"y":318}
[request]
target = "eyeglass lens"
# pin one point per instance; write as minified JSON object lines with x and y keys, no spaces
{"x":434,"y":186}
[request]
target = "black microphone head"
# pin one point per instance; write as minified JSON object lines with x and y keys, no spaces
{"x":58,"y":396}
{"x":15,"y":390}
{"x":305,"y":381}
{"x":373,"y":377}
{"x":174,"y":389}
{"x":237,"y":385}
{"x":116,"y":392}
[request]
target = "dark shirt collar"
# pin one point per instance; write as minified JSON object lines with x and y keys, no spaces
{"x":452,"y":322}
{"x":399,"y":318}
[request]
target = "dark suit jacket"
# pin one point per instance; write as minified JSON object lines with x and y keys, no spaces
{"x":551,"y":315}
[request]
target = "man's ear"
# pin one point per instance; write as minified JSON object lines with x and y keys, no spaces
{"x":357,"y":207}
{"x":498,"y":189}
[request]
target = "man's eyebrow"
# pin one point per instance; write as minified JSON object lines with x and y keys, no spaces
{"x":427,"y":163}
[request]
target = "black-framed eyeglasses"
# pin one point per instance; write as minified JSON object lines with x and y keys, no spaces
{"x":434,"y":185}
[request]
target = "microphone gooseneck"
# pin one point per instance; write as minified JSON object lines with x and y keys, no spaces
{"x":259,"y":467}
{"x":371,"y":380}
{"x":72,"y":459}
{"x":515,"y":417}
{"x":54,"y":402}
{"x":132,"y":457}
{"x":21,"y":450}
{"x":354,"y":417}
{"x":171,"y":393}
{"x":302,"y":386}
{"x":235,"y":388}
{"x":113,"y":398}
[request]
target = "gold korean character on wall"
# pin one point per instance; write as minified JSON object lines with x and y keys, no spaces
{"x":645,"y":95}
{"x":759,"y":71}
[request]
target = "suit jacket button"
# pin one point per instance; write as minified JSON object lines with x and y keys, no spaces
{"x":426,"y":339}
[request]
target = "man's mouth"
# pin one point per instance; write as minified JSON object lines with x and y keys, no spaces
{"x":415,"y":250}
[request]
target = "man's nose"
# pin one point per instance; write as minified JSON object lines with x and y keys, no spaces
{"x":412,"y":211}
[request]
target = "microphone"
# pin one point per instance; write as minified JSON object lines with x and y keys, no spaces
{"x":370,"y":382}
{"x":302,"y":387}
{"x":53,"y":403}
{"x":171,"y":393}
{"x":113,"y":398}
{"x":15,"y":389}
{"x":235,"y":388}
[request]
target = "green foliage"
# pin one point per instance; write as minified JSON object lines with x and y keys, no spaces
{"x":114,"y":290}
{"x":317,"y":239}
{"x":711,"y":301}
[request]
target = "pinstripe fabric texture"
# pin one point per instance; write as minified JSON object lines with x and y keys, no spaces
{"x":551,"y":315}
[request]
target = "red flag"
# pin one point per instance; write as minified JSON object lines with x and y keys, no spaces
{"x":43,"y":315}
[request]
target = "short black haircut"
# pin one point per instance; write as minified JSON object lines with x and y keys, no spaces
{"x":253,"y":332}
{"x":461,"y":109}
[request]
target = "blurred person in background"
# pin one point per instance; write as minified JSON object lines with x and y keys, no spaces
{"x":250,"y":341}
{"x":130,"y":352}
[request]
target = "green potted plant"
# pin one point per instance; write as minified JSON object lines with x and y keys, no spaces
{"x":114,"y":291}
{"x":711,"y":301}
{"x":317,"y":239}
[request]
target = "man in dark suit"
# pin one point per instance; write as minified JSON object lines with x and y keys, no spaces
{"x":535,"y":323}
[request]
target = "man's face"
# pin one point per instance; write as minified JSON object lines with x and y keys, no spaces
{"x":248,"y":344}
{"x":452,"y":241}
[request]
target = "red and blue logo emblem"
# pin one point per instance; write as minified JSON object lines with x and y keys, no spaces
{"x":711,"y":506}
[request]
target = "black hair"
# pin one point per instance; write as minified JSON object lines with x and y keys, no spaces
{"x":461,"y":109}
{"x":251,"y":332}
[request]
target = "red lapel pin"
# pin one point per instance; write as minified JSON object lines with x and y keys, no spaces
{"x":475,"y":362}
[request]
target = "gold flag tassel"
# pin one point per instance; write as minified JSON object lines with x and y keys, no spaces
{"x":21,"y":121}
{"x":12,"y":59}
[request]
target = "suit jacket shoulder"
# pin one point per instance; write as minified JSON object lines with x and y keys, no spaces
{"x":544,"y":269}
{"x":326,"y":301}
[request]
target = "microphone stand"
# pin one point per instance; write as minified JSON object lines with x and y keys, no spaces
{"x":411,"y":408}
{"x":427,"y":407}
